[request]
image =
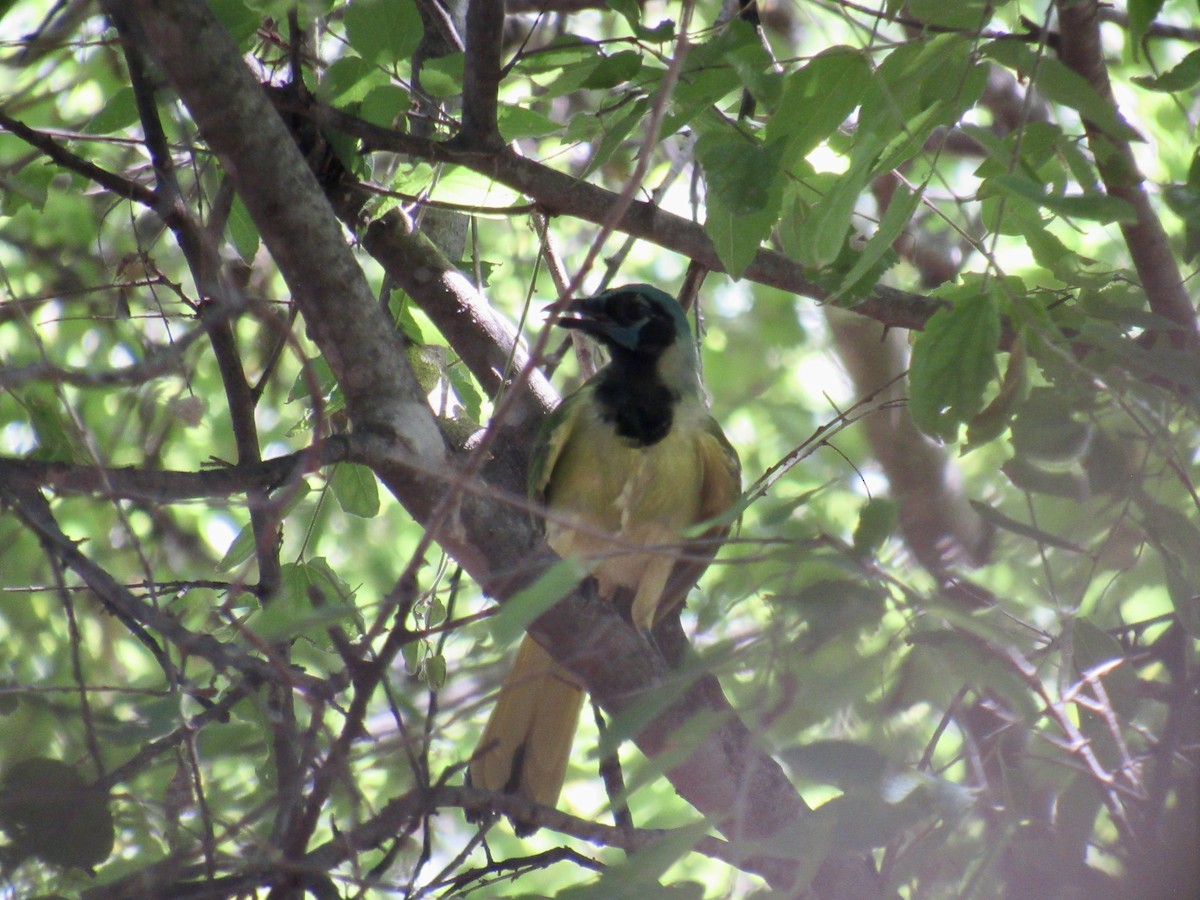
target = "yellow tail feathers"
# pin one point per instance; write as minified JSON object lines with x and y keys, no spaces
{"x":526,"y":743}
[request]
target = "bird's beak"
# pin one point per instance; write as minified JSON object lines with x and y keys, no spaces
{"x":587,"y":315}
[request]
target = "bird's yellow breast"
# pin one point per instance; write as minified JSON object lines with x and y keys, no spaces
{"x":622,"y":509}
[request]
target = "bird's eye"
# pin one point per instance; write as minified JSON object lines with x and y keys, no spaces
{"x":628,"y":308}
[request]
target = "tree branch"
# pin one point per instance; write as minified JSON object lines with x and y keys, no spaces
{"x":561,"y":194}
{"x":1079,"y":45}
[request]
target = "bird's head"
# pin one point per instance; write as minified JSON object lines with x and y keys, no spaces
{"x":634,"y":320}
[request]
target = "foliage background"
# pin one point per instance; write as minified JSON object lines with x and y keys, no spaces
{"x":961,"y":608}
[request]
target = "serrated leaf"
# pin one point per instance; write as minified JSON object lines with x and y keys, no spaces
{"x":1061,"y":85}
{"x":1096,"y":207}
{"x":385,"y":105}
{"x":737,"y":238}
{"x":900,"y":209}
{"x":615,"y":130}
{"x":817,"y":99}
{"x":953,"y":362}
{"x":383,"y":31}
{"x":348,"y":80}
{"x":239,"y":18}
{"x":443,"y":76}
{"x":741,"y":174}
{"x":356,"y":490}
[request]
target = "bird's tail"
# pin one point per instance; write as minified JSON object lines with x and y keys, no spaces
{"x":526,"y":743}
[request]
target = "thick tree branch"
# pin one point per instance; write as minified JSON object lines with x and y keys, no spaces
{"x":1079,"y":45}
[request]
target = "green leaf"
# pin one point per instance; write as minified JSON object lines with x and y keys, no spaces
{"x":993,"y":516}
{"x":443,"y":76}
{"x":631,"y":12}
{"x":356,"y":490}
{"x":613,"y":70}
{"x":953,"y":362}
{"x":968,"y":660}
{"x":348,"y":80}
{"x":119,"y":112}
{"x":385,"y":105}
{"x":844,"y":764}
{"x":817,"y":99}
{"x":1061,"y":85}
{"x":432,"y":670}
{"x":49,"y":811}
{"x":1096,"y":207}
{"x":1096,"y":648}
{"x":293,"y":612}
{"x":638,"y":875}
{"x":1046,"y":434}
{"x":744,"y":196}
{"x":1141,"y":16}
{"x":1183,"y":77}
{"x":823,"y":233}
{"x":466,"y":390}
{"x":240,"y":19}
{"x":966,"y":15}
{"x":239,"y":551}
{"x":520,"y":122}
{"x":901,"y":208}
{"x":529,"y":603}
{"x":383,"y":31}
{"x":616,"y":129}
{"x":876,"y":522}
{"x":243,"y":233}
{"x":737,"y":238}
{"x":743,"y":175}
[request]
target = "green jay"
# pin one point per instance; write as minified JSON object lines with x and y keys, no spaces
{"x":624,"y":467}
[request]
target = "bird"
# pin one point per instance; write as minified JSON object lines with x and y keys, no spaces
{"x":623,"y":468}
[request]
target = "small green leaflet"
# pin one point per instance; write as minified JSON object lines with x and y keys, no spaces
{"x":953,"y":361}
{"x":356,"y":491}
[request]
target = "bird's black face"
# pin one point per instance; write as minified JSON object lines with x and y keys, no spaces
{"x":626,"y":320}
